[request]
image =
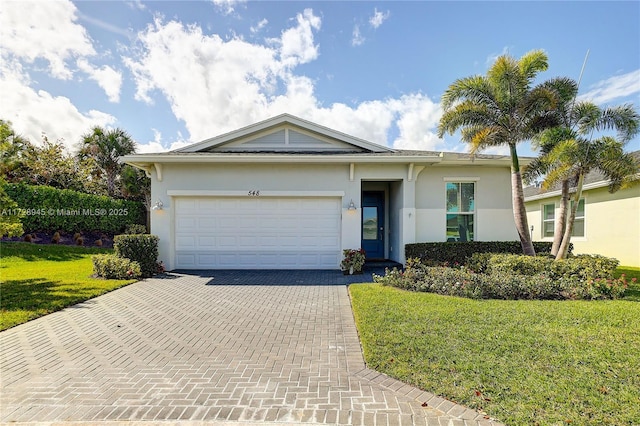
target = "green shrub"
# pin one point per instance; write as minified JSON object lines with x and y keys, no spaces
{"x":459,"y":252}
{"x":135,"y":228}
{"x":518,"y":264}
{"x":112,"y":267}
{"x":142,"y":248}
{"x":502,"y":282}
{"x":50,"y":209}
{"x":583,"y":267}
{"x":479,"y":262}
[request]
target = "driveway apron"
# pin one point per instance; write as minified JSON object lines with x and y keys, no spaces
{"x":187,"y":348}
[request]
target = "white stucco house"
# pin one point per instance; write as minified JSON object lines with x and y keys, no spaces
{"x":286,"y":193}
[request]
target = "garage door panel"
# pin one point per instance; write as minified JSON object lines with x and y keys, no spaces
{"x":186,"y":242}
{"x":206,"y":241}
{"x":187,"y":261}
{"x":257,"y":233}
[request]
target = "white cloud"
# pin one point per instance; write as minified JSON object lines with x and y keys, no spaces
{"x":417,"y":123}
{"x":48,"y":30}
{"x":106,"y":25}
{"x":259,"y":26}
{"x":227,"y":6}
{"x":619,"y":86}
{"x":43,"y":29}
{"x":107,"y":78}
{"x":357,"y":39}
{"x":136,"y":5}
{"x":296,"y":43}
{"x":378,"y":18}
{"x":34,"y":112}
{"x":158,"y":146}
{"x":215,"y":85}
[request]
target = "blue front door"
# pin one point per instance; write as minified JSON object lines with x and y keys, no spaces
{"x":373,"y":224}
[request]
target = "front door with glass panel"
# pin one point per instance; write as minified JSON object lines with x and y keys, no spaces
{"x":373,"y":224}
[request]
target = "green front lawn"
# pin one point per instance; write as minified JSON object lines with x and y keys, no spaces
{"x":522,"y":362}
{"x":39,"y":279}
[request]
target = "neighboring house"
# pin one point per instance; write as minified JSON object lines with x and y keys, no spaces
{"x":286,"y":193}
{"x":606,"y":224}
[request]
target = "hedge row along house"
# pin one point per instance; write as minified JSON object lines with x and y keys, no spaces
{"x":286,"y":193}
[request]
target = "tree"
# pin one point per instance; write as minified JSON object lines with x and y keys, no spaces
{"x":569,"y":153}
{"x":14,"y":153}
{"x":566,"y":92}
{"x":136,"y":186}
{"x":10,"y":215}
{"x":106,"y":147}
{"x":50,"y":164}
{"x":503,"y":109}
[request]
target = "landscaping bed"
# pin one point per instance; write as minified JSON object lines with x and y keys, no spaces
{"x":89,"y":239}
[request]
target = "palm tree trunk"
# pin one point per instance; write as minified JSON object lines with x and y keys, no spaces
{"x":566,"y":239}
{"x":561,"y":222}
{"x":519,"y":209}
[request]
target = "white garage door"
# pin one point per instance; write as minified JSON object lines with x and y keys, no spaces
{"x":257,"y":233}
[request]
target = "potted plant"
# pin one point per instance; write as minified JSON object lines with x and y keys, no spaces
{"x":352,"y":261}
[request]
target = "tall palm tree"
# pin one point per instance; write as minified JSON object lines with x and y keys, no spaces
{"x":570,"y":152}
{"x":503,"y":109}
{"x":566,"y":90}
{"x":105,"y":147}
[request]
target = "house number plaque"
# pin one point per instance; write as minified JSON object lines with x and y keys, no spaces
{"x":254,"y":193}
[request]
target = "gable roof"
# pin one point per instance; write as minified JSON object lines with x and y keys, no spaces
{"x":307,"y":142}
{"x":272,"y":135}
{"x":593,"y":179}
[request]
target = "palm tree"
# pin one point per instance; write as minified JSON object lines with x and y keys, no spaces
{"x":105,"y":147}
{"x":566,"y":91}
{"x":503,"y":109}
{"x":569,"y":152}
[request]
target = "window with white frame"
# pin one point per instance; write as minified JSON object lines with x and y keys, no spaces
{"x":578,"y":223}
{"x":548,"y":220}
{"x":460,"y":211}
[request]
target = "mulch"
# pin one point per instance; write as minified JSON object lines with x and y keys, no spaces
{"x":89,"y":239}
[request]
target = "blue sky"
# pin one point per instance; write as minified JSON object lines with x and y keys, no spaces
{"x":173,"y":73}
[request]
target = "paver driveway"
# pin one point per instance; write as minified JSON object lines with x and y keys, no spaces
{"x":183,"y":349}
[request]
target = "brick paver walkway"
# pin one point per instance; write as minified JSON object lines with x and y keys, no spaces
{"x":182,"y":350}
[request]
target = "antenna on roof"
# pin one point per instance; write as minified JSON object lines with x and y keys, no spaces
{"x":584,"y":64}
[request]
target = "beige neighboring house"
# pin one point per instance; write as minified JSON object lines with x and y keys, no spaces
{"x":606,"y":224}
{"x":286,"y":193}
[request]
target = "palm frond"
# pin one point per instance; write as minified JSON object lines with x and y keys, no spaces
{"x":532,"y":63}
{"x":624,"y":118}
{"x":557,"y":174}
{"x":475,"y":88}
{"x":585,"y":116}
{"x":466,"y":113}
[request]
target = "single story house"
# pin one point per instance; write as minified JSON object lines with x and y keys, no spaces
{"x":606,"y":224}
{"x":286,"y":193}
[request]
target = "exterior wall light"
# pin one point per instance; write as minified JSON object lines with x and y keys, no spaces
{"x":158,"y":205}
{"x":352,"y":206}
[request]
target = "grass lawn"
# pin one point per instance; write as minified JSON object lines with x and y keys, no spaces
{"x":521,"y":362}
{"x":39,"y":279}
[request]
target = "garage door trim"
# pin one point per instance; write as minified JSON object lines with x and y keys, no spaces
{"x":196,"y":193}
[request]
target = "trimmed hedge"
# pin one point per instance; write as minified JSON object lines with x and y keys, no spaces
{"x":49,"y":209}
{"x":565,"y":280}
{"x":459,"y":252}
{"x":582,"y":267}
{"x":141,"y":248}
{"x":112,"y":267}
